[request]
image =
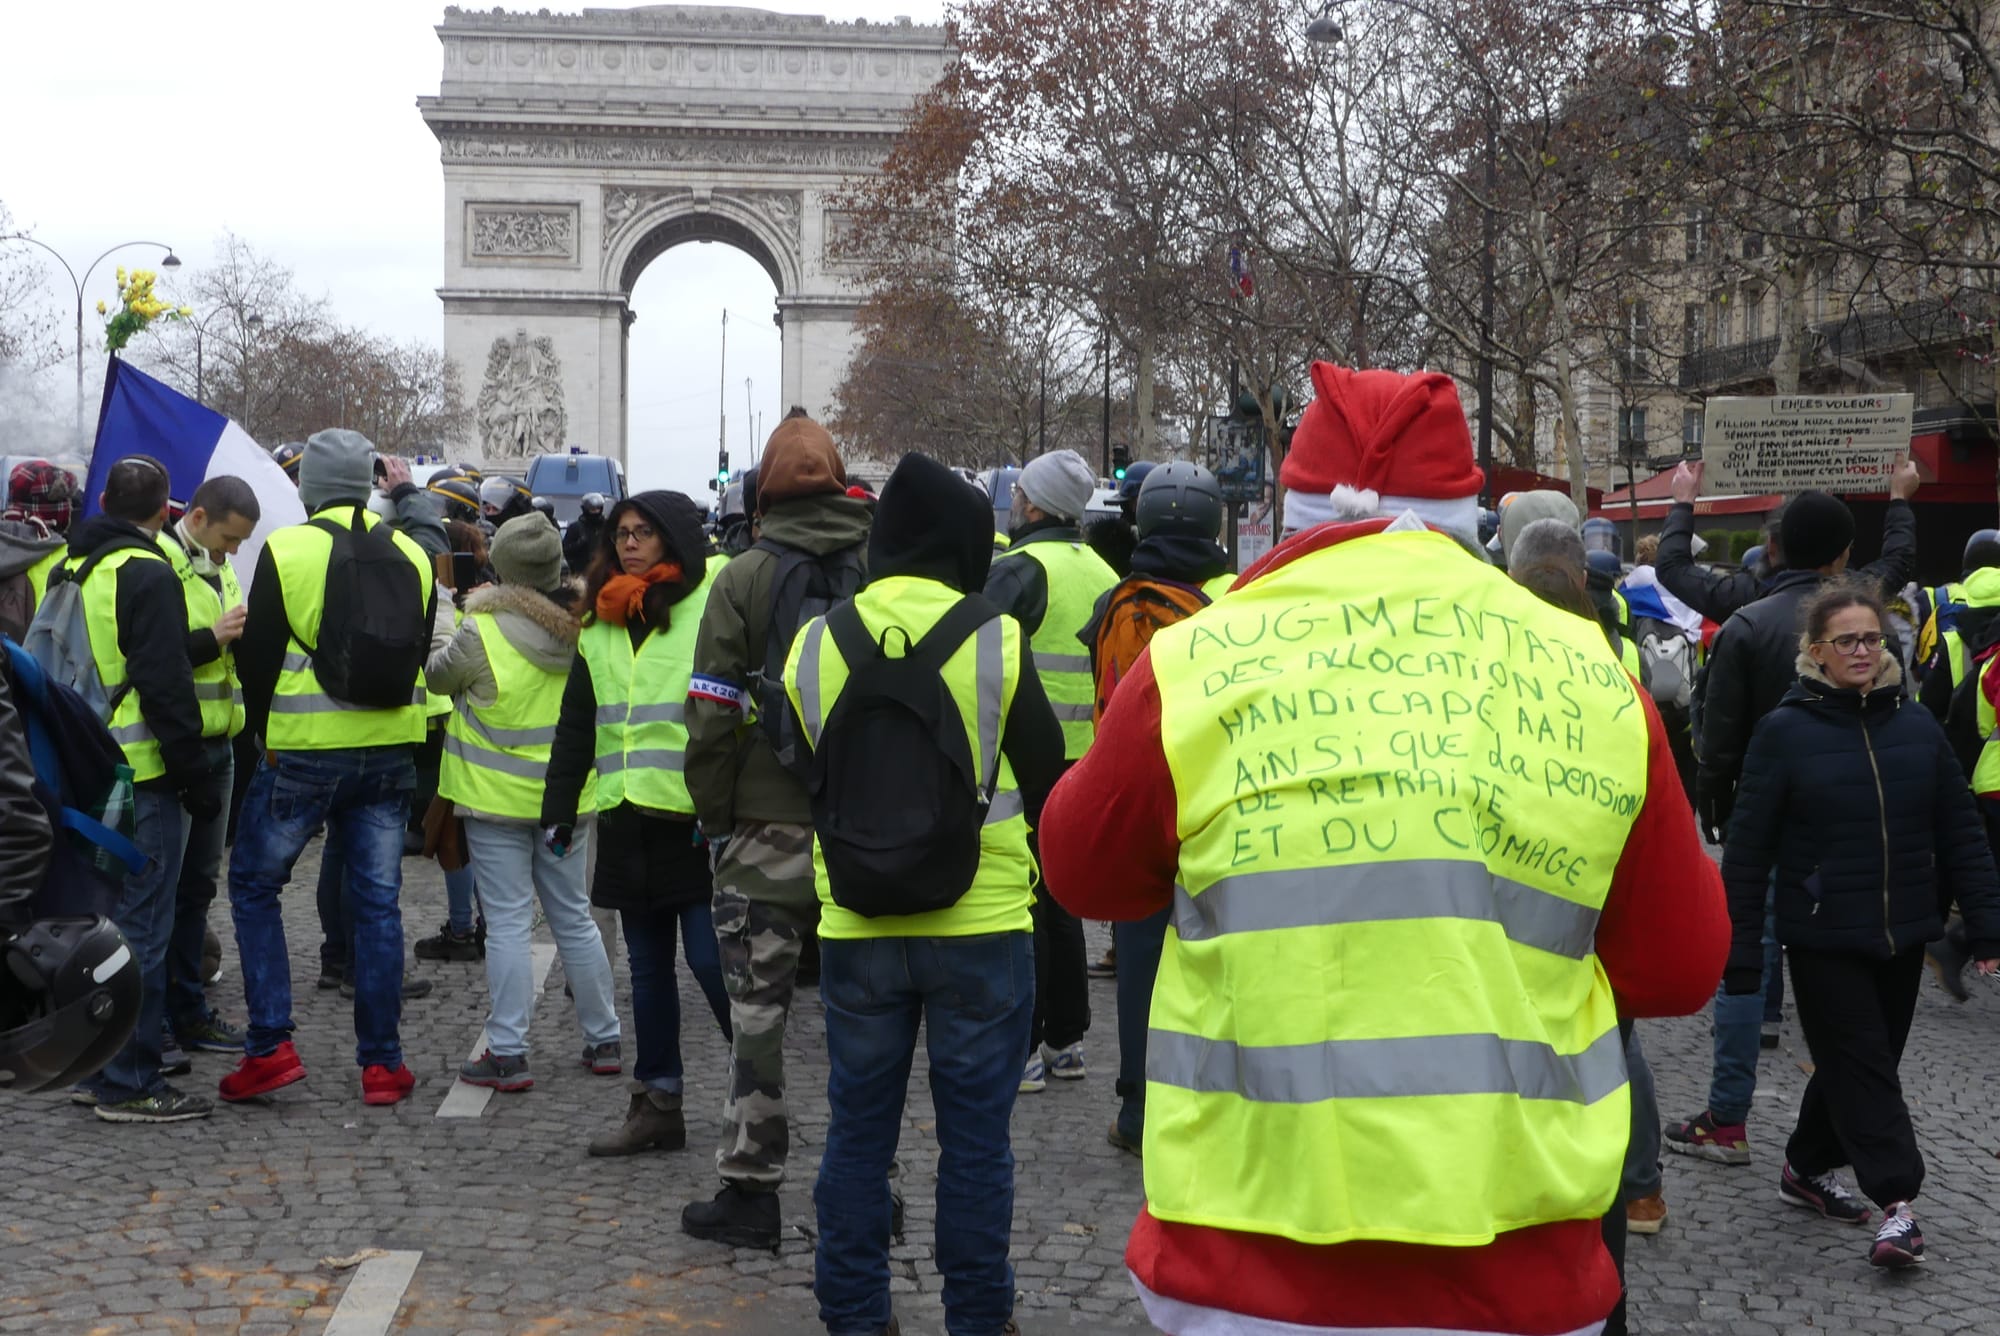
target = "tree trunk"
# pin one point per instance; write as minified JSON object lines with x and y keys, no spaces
{"x":1786,"y":363}
{"x":1145,"y":373}
{"x":1572,"y":422}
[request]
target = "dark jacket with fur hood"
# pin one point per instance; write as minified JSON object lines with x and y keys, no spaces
{"x":540,"y":629}
{"x":1858,"y":804}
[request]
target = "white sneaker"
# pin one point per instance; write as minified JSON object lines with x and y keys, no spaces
{"x":1033,"y":1080}
{"x":1065,"y":1064}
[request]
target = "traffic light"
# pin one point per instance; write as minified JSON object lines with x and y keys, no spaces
{"x":1121,"y":459}
{"x":721,"y":482}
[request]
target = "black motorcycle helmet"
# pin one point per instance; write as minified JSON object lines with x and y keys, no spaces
{"x":459,"y":497}
{"x":69,"y":999}
{"x":1982,"y":550}
{"x":592,"y":504}
{"x":503,"y":497}
{"x":541,"y":505}
{"x":287,"y":457}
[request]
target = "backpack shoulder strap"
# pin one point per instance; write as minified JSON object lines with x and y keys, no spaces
{"x":96,"y":559}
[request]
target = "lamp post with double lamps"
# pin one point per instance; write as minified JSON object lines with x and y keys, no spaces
{"x":172,"y":261}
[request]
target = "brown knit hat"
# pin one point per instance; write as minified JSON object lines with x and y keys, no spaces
{"x":800,"y":459}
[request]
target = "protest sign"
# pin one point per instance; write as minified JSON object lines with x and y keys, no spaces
{"x":1788,"y":443}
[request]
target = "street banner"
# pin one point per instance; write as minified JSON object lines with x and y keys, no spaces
{"x":1791,"y":442}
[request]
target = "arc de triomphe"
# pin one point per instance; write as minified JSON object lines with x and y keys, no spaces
{"x":576,"y":148}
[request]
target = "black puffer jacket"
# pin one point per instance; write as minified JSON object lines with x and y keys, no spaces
{"x":1716,"y":594}
{"x":1859,"y":805}
{"x":1750,"y":668}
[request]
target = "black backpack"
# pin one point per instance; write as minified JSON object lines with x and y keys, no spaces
{"x":804,"y":586}
{"x":898,"y":799}
{"x":373,"y":635}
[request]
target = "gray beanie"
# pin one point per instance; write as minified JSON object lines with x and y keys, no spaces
{"x":1526,"y":508}
{"x":527,"y":551}
{"x":338,"y":465}
{"x":1060,"y":483}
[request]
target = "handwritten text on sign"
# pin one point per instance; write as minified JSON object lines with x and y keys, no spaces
{"x":1787,"y":443}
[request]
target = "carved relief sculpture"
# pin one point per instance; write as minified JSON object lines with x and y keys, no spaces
{"x":521,"y":402}
{"x":524,"y":233}
{"x":621,"y":206}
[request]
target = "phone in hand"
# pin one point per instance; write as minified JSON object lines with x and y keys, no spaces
{"x":464,"y":571}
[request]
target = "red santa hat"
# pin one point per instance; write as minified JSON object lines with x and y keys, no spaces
{"x":1380,"y":443}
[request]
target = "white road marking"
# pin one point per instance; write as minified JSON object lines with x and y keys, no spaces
{"x":368,"y":1306}
{"x":469,"y":1101}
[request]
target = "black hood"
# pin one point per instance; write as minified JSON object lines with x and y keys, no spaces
{"x":101,"y":531}
{"x":680,"y":523}
{"x":932,"y":524}
{"x":1179,"y":556}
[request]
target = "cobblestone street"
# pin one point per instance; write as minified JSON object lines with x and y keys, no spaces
{"x":235,"y":1223}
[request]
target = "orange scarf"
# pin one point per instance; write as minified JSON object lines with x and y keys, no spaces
{"x":624,"y":596}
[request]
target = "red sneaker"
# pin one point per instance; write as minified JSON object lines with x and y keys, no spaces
{"x":386,"y":1085}
{"x":256,"y":1076}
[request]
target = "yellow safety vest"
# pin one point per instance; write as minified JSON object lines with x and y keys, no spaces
{"x":303,"y":716}
{"x":496,"y":757}
{"x":100,"y":611}
{"x":1404,"y":784}
{"x":436,"y":707}
{"x":982,"y":676}
{"x":642,"y":707}
{"x":1219,"y":586}
{"x":38,"y":574}
{"x":1077,"y":578}
{"x":1929,"y":635}
{"x":216,"y":687}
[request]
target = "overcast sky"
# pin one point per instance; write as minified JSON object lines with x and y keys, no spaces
{"x":295,"y":126}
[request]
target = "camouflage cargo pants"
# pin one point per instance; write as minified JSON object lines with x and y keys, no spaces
{"x":765,"y":910}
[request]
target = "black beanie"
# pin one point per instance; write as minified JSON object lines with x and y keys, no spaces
{"x":1816,"y":529}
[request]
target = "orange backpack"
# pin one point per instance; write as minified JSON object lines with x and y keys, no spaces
{"x":1134,"y":610}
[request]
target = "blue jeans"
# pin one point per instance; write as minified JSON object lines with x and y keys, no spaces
{"x":975,"y":998}
{"x":516,"y":868}
{"x":1739,"y":1032}
{"x":201,"y":868}
{"x":461,"y":900}
{"x":145,"y":915}
{"x":1642,"y":1152}
{"x":656,"y":992}
{"x":362,"y":796}
{"x":1139,"y":945}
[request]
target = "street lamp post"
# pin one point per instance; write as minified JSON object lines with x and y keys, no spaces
{"x":172,"y":261}
{"x":200,"y":333}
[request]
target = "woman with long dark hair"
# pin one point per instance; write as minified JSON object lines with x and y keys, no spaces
{"x":1857,"y":802}
{"x":622,"y":715}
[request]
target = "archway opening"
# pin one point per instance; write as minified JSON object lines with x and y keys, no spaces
{"x":685,"y":377}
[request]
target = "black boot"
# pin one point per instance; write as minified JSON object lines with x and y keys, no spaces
{"x":737,"y":1217}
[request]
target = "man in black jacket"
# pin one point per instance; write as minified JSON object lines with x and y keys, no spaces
{"x":1716,"y":596}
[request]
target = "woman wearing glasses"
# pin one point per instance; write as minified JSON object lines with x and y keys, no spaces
{"x":622,"y":715}
{"x":1854,"y":797}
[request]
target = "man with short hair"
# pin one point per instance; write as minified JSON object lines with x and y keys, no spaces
{"x":137,"y":618}
{"x":327,"y":760}
{"x":220,"y":518}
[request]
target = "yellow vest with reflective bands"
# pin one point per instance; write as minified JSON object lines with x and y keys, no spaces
{"x":1077,"y":577}
{"x":1404,"y":784}
{"x":496,"y":757}
{"x":100,"y":611}
{"x":642,"y":707}
{"x":982,"y":676}
{"x":216,"y":687}
{"x":303,"y":716}
{"x":38,"y":574}
{"x":437,"y":707}
{"x":1219,"y":586}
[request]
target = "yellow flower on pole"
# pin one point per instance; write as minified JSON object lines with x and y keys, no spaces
{"x":100,"y":308}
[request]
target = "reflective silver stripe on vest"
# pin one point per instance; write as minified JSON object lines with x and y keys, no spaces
{"x":1071,"y":713}
{"x":520,"y":766}
{"x":296,"y":663}
{"x":1062,"y":663}
{"x":1451,"y":1064}
{"x":504,"y":737}
{"x":667,"y":712}
{"x":809,"y":711}
{"x":611,"y":763}
{"x":212,"y":690}
{"x":1381,"y":892}
{"x":990,"y":683}
{"x":320,"y":703}
{"x":131,"y":734}
{"x":1005,"y":807}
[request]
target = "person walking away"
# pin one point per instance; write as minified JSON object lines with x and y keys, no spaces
{"x":808,"y":554}
{"x":1049,"y":581}
{"x":1340,"y":1134}
{"x":220,"y":517}
{"x":41,"y":500}
{"x":340,"y":623}
{"x":622,"y":716}
{"x":1176,"y":561}
{"x":1854,"y":805}
{"x":1750,"y":669}
{"x":1963,"y":621}
{"x":1717,"y":595}
{"x":138,"y":637}
{"x":506,"y":671}
{"x":934,"y":746}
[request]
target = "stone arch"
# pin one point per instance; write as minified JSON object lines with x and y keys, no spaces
{"x":660,"y":225}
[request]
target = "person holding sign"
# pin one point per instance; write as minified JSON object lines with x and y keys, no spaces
{"x":1415,"y":828}
{"x":1852,"y":804}
{"x":1716,"y":595}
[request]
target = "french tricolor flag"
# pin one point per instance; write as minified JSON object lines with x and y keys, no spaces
{"x":142,"y":416}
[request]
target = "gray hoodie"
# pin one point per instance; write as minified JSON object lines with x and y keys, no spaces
{"x":21,"y":546}
{"x":539,"y":630}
